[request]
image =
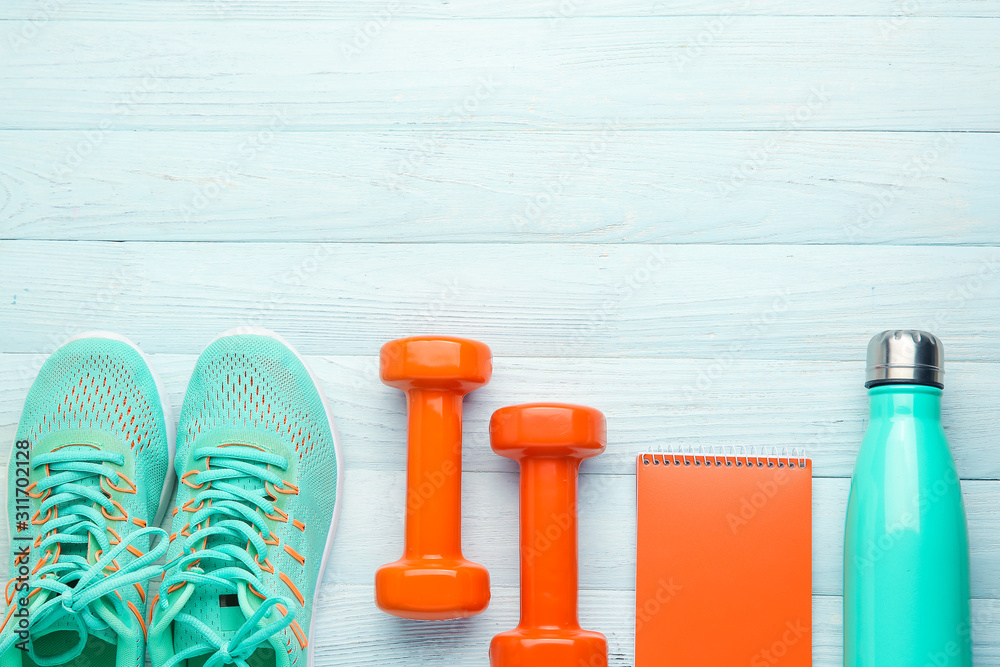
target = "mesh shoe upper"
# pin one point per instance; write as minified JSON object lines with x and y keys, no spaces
{"x":258,"y":465}
{"x":85,"y":478}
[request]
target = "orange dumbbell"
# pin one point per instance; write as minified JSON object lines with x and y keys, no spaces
{"x":549,"y":440}
{"x":433,"y":581}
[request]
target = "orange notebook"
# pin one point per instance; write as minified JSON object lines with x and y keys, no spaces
{"x":724,"y":561}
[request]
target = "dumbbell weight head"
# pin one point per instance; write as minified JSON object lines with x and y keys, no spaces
{"x":540,"y":647}
{"x":548,"y":429}
{"x":435,"y":362}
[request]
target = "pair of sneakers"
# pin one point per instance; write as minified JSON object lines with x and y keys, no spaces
{"x":94,"y":581}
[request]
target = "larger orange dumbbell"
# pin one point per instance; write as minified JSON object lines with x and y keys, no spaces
{"x":433,"y":581}
{"x":549,"y":440}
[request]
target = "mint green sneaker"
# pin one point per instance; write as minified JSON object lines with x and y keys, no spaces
{"x":88,"y":473}
{"x":259,"y":464}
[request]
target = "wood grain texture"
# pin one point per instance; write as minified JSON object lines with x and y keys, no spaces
{"x":691,"y":215}
{"x":819,"y":407}
{"x":555,"y":10}
{"x":503,"y":186}
{"x":767,"y":73}
{"x":714,"y":303}
{"x":350,"y":630}
{"x":354,"y":632}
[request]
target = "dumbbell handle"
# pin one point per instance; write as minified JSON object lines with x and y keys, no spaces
{"x":433,"y":474}
{"x":549,"y":542}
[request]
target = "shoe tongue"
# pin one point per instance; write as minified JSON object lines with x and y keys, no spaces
{"x":223,"y":611}
{"x":62,"y":635}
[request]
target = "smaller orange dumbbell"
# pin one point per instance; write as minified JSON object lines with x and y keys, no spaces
{"x":433,"y":581}
{"x":549,"y":440}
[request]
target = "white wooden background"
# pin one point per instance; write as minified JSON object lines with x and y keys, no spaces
{"x":691,"y":215}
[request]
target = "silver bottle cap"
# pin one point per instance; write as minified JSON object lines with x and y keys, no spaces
{"x":905,"y":356}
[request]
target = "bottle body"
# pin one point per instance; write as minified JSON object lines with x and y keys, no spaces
{"x":906,"y":555}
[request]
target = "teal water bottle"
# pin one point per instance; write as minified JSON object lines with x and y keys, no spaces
{"x":906,"y":547}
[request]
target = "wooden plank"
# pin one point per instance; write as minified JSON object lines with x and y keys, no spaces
{"x":818,"y":407}
{"x":507,"y":186}
{"x":371,"y":529}
{"x":390,"y":10}
{"x":823,"y":73}
{"x":352,"y":631}
{"x":714,"y":303}
{"x":607,"y":529}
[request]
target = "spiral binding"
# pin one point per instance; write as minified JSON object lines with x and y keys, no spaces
{"x":729,"y":456}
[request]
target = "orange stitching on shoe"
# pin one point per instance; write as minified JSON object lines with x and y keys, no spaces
{"x":142,"y":593}
{"x":41,"y":563}
{"x":187,"y":506}
{"x":291,"y":587}
{"x":296,"y":628}
{"x":38,"y":522}
{"x":44,"y":494}
{"x":139,"y":617}
{"x":298,"y":524}
{"x":191,"y":484}
{"x":139,"y":522}
{"x":129,"y":489}
{"x":117,"y":504}
{"x":152,"y":608}
{"x":7,"y":619}
{"x":295,"y":554}
{"x":269,"y":568}
{"x":293,"y":490}
{"x":282,"y":517}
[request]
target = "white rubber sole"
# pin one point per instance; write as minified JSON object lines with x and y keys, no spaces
{"x":166,"y":496}
{"x":328,"y":547}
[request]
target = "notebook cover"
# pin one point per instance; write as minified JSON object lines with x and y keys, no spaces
{"x":724,"y":561}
